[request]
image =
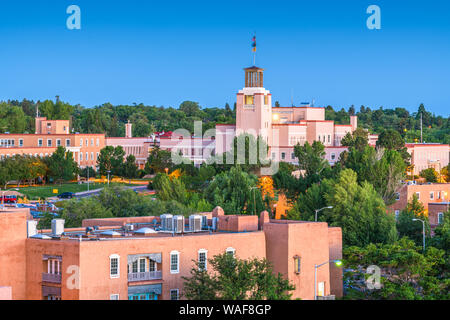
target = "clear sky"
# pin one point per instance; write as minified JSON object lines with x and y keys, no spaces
{"x":165,"y":52}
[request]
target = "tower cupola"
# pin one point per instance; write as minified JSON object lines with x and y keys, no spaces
{"x":254,"y":77}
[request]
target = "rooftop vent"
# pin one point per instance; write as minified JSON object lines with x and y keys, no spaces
{"x":195,"y":223}
{"x":178,"y":224}
{"x":40,"y":236}
{"x":145,"y":231}
{"x":166,"y":222}
{"x":31,"y":228}
{"x":57,"y":227}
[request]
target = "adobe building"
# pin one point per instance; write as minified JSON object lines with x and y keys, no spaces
{"x":428,"y":155}
{"x":49,"y":135}
{"x":145,"y":258}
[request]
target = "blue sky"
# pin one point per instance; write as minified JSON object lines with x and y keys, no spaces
{"x":165,"y":52}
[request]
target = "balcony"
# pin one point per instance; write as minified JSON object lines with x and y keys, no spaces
{"x":51,"y":277}
{"x":145,"y":276}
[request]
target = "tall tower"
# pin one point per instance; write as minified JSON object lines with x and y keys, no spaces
{"x":254,"y":106}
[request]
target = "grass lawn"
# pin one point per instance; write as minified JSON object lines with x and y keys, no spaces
{"x":47,"y":190}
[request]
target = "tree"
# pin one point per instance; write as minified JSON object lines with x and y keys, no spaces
{"x":311,"y":160}
{"x":413,"y":229}
{"x":358,"y":139}
{"x":236,"y":192}
{"x":130,"y":169}
{"x":158,"y":161}
{"x":61,"y":164}
{"x":190,"y":108}
{"x":430,"y":175}
{"x":111,"y":159}
{"x":359,"y":211}
{"x":392,"y":140}
{"x":169,"y":189}
{"x":75,"y":211}
{"x":406,"y":272}
{"x":236,"y":279}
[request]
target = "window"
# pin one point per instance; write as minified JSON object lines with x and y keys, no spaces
{"x":438,"y":195}
{"x":174,"y":262}
{"x":87,"y":142}
{"x":273,"y":155}
{"x":92,"y":156}
{"x":397,"y":196}
{"x":333,"y":156}
{"x":283,"y":155}
{"x":39,"y":142}
{"x":114,"y":296}
{"x":98,"y":142}
{"x":231,"y":251}
{"x":134,"y":267}
{"x":329,"y":138}
{"x":152,"y":266}
{"x":142,"y":265}
{"x":431,"y":195}
{"x":20,"y":142}
{"x":92,"y":142}
{"x":81,"y":142}
{"x":297,"y":264}
{"x":67,"y":142}
{"x":440,"y":217}
{"x":248,"y":100}
{"x":292,"y":155}
{"x":418,"y":195}
{"x":49,"y":142}
{"x":202,"y":259}
{"x":96,"y":156}
{"x":114,"y":266}
{"x":397,"y":212}
{"x":266,"y":99}
{"x":174,"y":294}
{"x":87,"y":156}
{"x":81,"y":156}
{"x":58,"y":142}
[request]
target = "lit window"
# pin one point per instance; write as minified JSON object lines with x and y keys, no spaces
{"x":174,"y":262}
{"x":249,"y":100}
{"x":202,"y":259}
{"x":114,"y":266}
{"x":297,"y":264}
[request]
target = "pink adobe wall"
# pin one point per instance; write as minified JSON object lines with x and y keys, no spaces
{"x":94,"y":259}
{"x":237,"y":223}
{"x":424,"y":156}
{"x":434,"y":209}
{"x":286,"y":239}
{"x":13,"y":234}
{"x":69,"y":250}
{"x":407,"y":191}
{"x":5,"y":293}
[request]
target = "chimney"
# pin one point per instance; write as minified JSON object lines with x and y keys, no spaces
{"x":57,"y":226}
{"x":263,"y":218}
{"x":128,"y":132}
{"x":354,"y":122}
{"x":31,"y":228}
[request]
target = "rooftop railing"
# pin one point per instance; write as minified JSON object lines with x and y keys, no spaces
{"x":145,"y":276}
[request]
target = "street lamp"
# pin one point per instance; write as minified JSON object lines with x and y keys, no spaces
{"x":330,"y":207}
{"x":108,"y":176}
{"x":423,"y":231}
{"x":338,"y":263}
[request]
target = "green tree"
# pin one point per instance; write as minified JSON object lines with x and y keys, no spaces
{"x":169,"y":188}
{"x":130,"y":169}
{"x":311,"y":160}
{"x":430,"y":175}
{"x":158,"y":160}
{"x":358,"y":139}
{"x":75,"y":211}
{"x":61,"y":164}
{"x":359,"y":211}
{"x":236,"y":192}
{"x":413,"y":229}
{"x":111,"y":159}
{"x":236,"y":279}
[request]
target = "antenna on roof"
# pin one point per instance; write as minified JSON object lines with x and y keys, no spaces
{"x":312,"y":102}
{"x":37,"y":109}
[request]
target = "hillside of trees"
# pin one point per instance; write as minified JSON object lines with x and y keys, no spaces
{"x":18,"y":117}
